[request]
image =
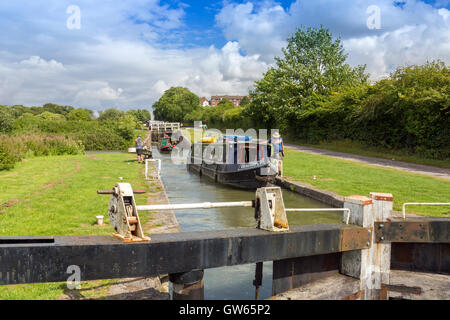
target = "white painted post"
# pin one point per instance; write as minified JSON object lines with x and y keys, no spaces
{"x":146,"y":169}
{"x":382,"y":204}
{"x":363,"y":263}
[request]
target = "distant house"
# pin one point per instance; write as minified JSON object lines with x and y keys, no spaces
{"x":204,"y":102}
{"x":235,"y":100}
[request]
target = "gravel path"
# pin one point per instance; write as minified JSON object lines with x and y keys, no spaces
{"x":400,"y":165}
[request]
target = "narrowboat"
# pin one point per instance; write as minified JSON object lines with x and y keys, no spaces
{"x":166,"y":144}
{"x":234,"y":160}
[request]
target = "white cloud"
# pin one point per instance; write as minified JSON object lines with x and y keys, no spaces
{"x":413,"y":33}
{"x":128,"y":52}
{"x":125,"y":55}
{"x":127,"y":74}
{"x":444,"y":13}
{"x":160,"y":86}
{"x":259,"y":32}
{"x":38,"y":62}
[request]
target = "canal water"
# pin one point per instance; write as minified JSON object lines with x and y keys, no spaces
{"x":234,"y":282}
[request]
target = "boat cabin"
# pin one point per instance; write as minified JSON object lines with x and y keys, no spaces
{"x":232,"y":150}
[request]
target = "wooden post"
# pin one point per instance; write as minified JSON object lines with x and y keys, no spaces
{"x":293,"y":273}
{"x":383,"y":204}
{"x":356,"y":263}
{"x":187,"y":285}
{"x":370,"y":265}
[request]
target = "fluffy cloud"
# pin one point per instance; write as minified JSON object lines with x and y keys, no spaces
{"x":127,"y":74}
{"x":127,"y":53}
{"x":411,"y":31}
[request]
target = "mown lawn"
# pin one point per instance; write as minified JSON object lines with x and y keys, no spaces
{"x":376,"y":152}
{"x":348,"y":178}
{"x":49,"y":196}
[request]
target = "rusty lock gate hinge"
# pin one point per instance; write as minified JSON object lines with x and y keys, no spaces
{"x":355,"y":238}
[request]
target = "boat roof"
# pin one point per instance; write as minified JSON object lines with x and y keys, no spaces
{"x":245,"y":138}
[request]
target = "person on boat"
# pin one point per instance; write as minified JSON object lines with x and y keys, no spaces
{"x":166,"y":142}
{"x":278,"y":150}
{"x":139,"y":146}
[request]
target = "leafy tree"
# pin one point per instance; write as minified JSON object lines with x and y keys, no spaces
{"x":175,"y":104}
{"x":225,"y":103}
{"x":213,"y":116}
{"x":110,"y":114}
{"x":245,"y":101}
{"x":54,"y":108}
{"x":141,"y":115}
{"x":6,"y":120}
{"x":126,"y":125}
{"x":18,"y":110}
{"x":196,"y":115}
{"x":266,"y":103}
{"x":313,"y":66}
{"x":46,"y":115}
{"x":410,"y":109}
{"x":79,"y":115}
{"x":236,"y":118}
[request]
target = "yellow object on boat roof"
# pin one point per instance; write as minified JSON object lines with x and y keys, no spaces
{"x":209,"y":139}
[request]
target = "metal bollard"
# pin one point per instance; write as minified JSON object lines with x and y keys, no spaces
{"x":187,"y":285}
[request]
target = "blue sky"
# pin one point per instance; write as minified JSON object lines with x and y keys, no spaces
{"x":126,"y":53}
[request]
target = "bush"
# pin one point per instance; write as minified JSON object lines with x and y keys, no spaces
{"x":51,"y":116}
{"x":79,"y":114}
{"x":15,"y":148}
{"x":408,"y":111}
{"x":7,"y":159}
{"x":6,"y":120}
{"x":126,"y":126}
{"x":110,"y":114}
{"x":94,"y":135}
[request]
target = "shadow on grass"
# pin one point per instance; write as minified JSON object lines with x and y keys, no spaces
{"x":144,"y":294}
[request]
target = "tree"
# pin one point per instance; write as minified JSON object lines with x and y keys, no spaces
{"x":225,"y":103}
{"x":126,"y":126}
{"x":236,"y":118}
{"x":6,"y":120}
{"x":18,"y":110}
{"x":141,"y":115}
{"x":245,"y":101}
{"x":110,"y":114}
{"x":313,"y":66}
{"x":196,"y":115}
{"x":46,"y":115}
{"x":54,"y":108}
{"x":213,"y":116}
{"x":79,"y":114}
{"x":175,"y":104}
{"x":410,"y":110}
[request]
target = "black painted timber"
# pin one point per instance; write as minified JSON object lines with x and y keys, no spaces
{"x":105,"y":257}
{"x":425,"y":230}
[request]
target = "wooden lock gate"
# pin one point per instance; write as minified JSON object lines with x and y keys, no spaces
{"x":360,"y":254}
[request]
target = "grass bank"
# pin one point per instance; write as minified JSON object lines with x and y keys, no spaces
{"x":56,"y":195}
{"x":348,"y":178}
{"x":377,"y":152}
